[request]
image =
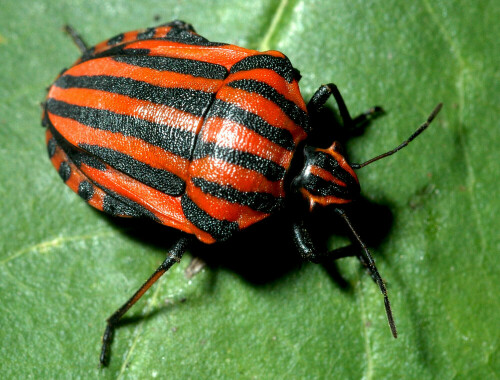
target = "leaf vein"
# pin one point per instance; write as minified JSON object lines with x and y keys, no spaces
{"x":265,"y":44}
{"x":47,"y":245}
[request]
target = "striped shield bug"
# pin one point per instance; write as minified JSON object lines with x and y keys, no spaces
{"x":202,"y":137}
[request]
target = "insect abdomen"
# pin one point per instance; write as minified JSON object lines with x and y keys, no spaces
{"x":199,"y":135}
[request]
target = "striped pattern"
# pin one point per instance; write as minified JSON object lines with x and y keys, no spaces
{"x":68,"y":164}
{"x":327,"y":178}
{"x":165,"y":124}
{"x":176,"y":31}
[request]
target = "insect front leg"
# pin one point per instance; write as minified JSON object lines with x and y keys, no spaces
{"x":308,"y":250}
{"x":174,"y":256}
{"x":322,"y":95}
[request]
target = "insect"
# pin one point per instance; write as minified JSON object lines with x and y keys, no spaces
{"x":207,"y":138}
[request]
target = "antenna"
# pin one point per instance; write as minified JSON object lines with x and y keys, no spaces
{"x":404,"y":143}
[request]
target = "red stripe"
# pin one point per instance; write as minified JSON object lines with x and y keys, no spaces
{"x":127,"y":37}
{"x":290,"y":91}
{"x":326,"y":175}
{"x":224,"y":210}
{"x":322,"y":200}
{"x":235,"y":176}
{"x":266,"y":109}
{"x":130,"y":37}
{"x":201,"y":235}
{"x":226,"y":55}
{"x":332,"y":151}
{"x":166,"y":208}
{"x":229,"y":134}
{"x":274,"y":53}
{"x":121,"y":104}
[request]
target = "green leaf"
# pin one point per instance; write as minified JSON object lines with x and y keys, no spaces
{"x":64,"y":268}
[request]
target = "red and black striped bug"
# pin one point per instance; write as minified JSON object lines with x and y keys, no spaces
{"x":199,"y":136}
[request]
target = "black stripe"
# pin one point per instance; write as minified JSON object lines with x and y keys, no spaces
{"x":115,"y":40}
{"x":51,"y":147}
{"x":159,"y":179}
{"x":181,"y":25}
{"x":64,"y":171}
{"x":192,"y":101}
{"x":180,"y":32}
{"x":174,"y":140}
{"x":112,"y":51}
{"x":75,"y":155}
{"x":296,"y":74}
{"x":147,"y":34}
{"x":86,"y":190}
{"x":232,"y":112}
{"x":280,"y":66}
{"x":189,"y":38}
{"x":289,"y":108}
{"x":330,"y":164}
{"x":219,"y":229}
{"x":45,"y":118}
{"x":177,"y":65}
{"x":117,"y":205}
{"x":258,"y":201}
{"x":268,"y":168}
{"x":318,"y":186}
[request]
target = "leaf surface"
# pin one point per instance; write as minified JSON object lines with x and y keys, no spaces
{"x":65,"y":267}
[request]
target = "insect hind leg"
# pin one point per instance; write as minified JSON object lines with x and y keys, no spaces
{"x":174,"y":256}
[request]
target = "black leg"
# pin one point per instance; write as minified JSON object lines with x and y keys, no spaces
{"x":77,"y":39}
{"x":174,"y":256}
{"x":322,"y":95}
{"x":308,"y":251}
{"x":364,"y":118}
